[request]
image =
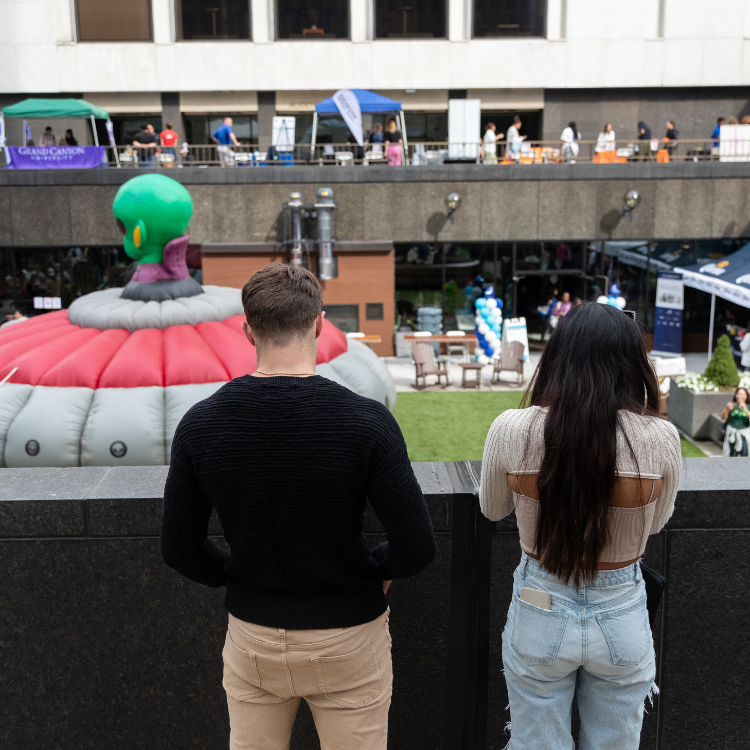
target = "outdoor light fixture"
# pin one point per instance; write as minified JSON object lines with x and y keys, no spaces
{"x":453,"y":203}
{"x":630,"y":201}
{"x":325,"y":207}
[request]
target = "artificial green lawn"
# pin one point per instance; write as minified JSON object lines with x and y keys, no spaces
{"x":453,"y":426}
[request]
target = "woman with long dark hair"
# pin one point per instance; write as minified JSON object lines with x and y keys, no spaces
{"x":591,"y":471}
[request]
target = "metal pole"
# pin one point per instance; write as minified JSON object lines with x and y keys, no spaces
{"x":25,"y":139}
{"x":93,"y":127}
{"x":403,"y":137}
{"x":515,"y":284}
{"x":648,"y":279}
{"x":711,"y":326}
{"x":314,"y":135}
{"x":442,"y":292}
{"x":325,"y":206}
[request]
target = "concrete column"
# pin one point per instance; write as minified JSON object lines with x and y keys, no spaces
{"x":556,"y":19}
{"x":266,"y":112}
{"x":459,"y":20}
{"x":362,"y":17}
{"x":65,"y":16}
{"x":163,"y":20}
{"x":170,"y":112}
{"x":263,"y":22}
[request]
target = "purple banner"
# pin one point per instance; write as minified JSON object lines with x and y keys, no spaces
{"x":55,"y":157}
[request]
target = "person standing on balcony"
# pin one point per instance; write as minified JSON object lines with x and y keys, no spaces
{"x":606,"y":140}
{"x":671,"y":136}
{"x":145,"y":142}
{"x":569,"y":143}
{"x":226,"y":138}
{"x":489,"y":143}
{"x":48,"y":139}
{"x":514,"y":139}
{"x":289,"y":460}
{"x":591,"y":470}
{"x":395,"y":141}
{"x":168,"y":139}
{"x":716,"y":135}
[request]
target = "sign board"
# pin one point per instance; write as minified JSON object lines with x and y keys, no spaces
{"x":464,"y":121}
{"x":514,"y":329}
{"x":47,"y":303}
{"x":282,"y":135}
{"x":55,"y":157}
{"x":734,"y":143}
{"x":670,"y":302}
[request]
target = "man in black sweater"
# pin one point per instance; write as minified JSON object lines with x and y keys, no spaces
{"x":289,"y":460}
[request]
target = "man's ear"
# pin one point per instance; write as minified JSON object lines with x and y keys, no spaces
{"x":319,"y":324}
{"x":248,"y":332}
{"x":140,"y":235}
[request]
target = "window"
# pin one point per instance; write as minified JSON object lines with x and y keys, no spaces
{"x":126,"y":128}
{"x":417,"y":18}
{"x":113,"y":21}
{"x":217,"y":19}
{"x":312,"y":19}
{"x":510,"y":17}
{"x":344,"y":317}
{"x":374,"y":311}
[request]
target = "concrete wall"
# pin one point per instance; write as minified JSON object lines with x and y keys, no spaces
{"x":104,"y":646}
{"x":612,"y":43}
{"x":694,"y":110}
{"x":504,"y":203}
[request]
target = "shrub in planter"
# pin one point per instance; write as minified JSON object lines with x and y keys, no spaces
{"x":721,"y":369}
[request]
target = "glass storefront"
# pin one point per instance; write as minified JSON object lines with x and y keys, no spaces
{"x":57,"y":273}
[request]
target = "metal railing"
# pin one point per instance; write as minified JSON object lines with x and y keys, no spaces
{"x":433,"y":153}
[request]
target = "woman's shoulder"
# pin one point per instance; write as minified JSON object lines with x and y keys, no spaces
{"x":518,"y":420}
{"x":649,"y":424}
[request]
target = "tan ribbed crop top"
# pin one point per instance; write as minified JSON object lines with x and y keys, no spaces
{"x":515,"y":445}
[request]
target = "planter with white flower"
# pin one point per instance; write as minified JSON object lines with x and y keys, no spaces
{"x":697,"y":397}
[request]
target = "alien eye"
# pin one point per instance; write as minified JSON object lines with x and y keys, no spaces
{"x":121,"y":227}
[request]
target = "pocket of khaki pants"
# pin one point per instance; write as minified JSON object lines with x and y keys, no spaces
{"x":351,"y":680}
{"x":628,"y":634}
{"x":241,"y":676}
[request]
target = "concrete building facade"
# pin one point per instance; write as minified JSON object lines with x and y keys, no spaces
{"x":591,"y":61}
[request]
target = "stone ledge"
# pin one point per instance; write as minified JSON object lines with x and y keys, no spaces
{"x":126,"y":501}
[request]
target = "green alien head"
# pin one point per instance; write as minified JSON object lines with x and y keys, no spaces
{"x":151,"y":210}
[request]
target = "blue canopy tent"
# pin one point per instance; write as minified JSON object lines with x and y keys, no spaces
{"x":369,"y":103}
{"x":728,"y":278}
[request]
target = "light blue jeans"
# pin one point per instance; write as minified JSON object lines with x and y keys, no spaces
{"x":595,"y":642}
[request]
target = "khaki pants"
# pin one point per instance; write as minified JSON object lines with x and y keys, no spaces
{"x":344,"y":674}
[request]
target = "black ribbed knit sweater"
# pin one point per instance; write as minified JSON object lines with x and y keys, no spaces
{"x":289,"y":464}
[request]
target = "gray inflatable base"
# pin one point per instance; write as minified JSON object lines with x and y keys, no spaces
{"x":159,"y":291}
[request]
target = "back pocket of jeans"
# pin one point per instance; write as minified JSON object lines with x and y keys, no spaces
{"x":536,"y":633}
{"x":241,"y":676}
{"x":627,"y":633}
{"x":351,"y":680}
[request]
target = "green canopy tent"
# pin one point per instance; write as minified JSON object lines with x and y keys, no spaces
{"x":50,"y":108}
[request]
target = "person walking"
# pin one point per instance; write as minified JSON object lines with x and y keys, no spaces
{"x":560,"y":309}
{"x":591,"y":470}
{"x":395,"y":143}
{"x":226,"y":138}
{"x":514,"y":139}
{"x":737,"y":418}
{"x":489,"y":143}
{"x":289,"y":461}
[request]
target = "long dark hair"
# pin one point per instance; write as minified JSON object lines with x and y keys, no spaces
{"x":594,"y":365}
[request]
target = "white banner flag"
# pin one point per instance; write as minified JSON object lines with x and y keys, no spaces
{"x":348,"y":106}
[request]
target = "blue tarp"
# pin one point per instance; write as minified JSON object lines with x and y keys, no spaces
{"x":728,"y":278}
{"x":369,"y":101}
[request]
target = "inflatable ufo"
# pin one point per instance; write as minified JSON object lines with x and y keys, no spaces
{"x":107,"y":381}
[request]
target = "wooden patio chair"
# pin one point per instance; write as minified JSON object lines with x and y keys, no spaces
{"x":426,"y":364}
{"x":511,"y":360}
